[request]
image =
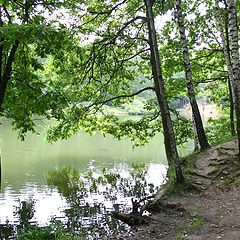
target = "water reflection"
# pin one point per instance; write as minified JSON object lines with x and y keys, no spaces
{"x":93,"y":195}
{"x":89,"y":198}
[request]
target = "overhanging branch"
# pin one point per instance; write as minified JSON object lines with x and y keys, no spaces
{"x":128,"y":95}
{"x":203,"y":66}
{"x":212,"y":51}
{"x":135,"y":55}
{"x":7,"y":14}
{"x":212,"y":80}
{"x":111,"y":40}
{"x":101,"y":103}
{"x":108,"y":12}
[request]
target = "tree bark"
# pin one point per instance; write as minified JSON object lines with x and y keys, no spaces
{"x":0,"y":172}
{"x":233,"y":27}
{"x":168,"y":132}
{"x":196,"y":142}
{"x":1,"y":61}
{"x":1,"y":46}
{"x":188,"y":74}
{"x":223,"y":24}
{"x":7,"y":72}
{"x":231,"y":112}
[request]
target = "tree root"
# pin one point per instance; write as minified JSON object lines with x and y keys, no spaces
{"x":132,"y":219}
{"x":135,"y":218}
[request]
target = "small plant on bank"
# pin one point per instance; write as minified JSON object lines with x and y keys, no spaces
{"x":195,"y":223}
{"x":27,"y":230}
{"x":54,"y":231}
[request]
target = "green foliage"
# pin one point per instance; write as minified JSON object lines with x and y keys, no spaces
{"x":195,"y":223}
{"x":219,"y":130}
{"x":31,"y":93}
{"x":174,"y":189}
{"x":182,"y":128}
{"x":55,"y":231}
{"x":25,"y":212}
{"x":137,"y":107}
{"x":31,"y":231}
{"x":75,"y":59}
{"x":35,"y":233}
{"x":139,"y":131}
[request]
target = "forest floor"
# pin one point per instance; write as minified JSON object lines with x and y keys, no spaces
{"x":210,"y":214}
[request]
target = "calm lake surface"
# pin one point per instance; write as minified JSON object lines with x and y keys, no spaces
{"x":25,"y":164}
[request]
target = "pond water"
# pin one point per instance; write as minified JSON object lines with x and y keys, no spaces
{"x":25,"y":165}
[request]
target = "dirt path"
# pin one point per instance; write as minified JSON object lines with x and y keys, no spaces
{"x":220,"y":211}
{"x":210,"y":215}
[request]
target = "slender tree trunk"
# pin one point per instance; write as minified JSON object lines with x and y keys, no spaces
{"x":227,"y":56}
{"x":188,"y":73}
{"x":1,"y":61}
{"x":7,"y":72}
{"x":233,"y":27}
{"x":196,"y":142}
{"x":1,"y":46}
{"x":230,"y":79}
{"x":0,"y":171}
{"x":168,"y":132}
{"x":231,"y":112}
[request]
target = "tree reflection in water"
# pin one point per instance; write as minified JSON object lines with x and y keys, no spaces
{"x":93,"y":195}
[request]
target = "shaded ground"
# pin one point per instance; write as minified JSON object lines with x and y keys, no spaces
{"x":212,"y":214}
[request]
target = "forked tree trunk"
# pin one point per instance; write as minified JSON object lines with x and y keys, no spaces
{"x":168,"y":132}
{"x":202,"y":138}
{"x":233,"y":27}
{"x":227,"y":56}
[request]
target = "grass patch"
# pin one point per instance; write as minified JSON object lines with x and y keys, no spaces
{"x":195,"y":223}
{"x":174,"y":189}
{"x":51,"y":232}
{"x":178,"y":189}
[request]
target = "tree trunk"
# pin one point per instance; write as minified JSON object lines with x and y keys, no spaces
{"x":168,"y":132}
{"x":1,"y":46}
{"x":7,"y":72}
{"x":196,"y":142}
{"x":0,"y":171}
{"x":230,"y":81}
{"x":231,"y":112}
{"x":227,"y":56}
{"x":188,"y":74}
{"x":233,"y":27}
